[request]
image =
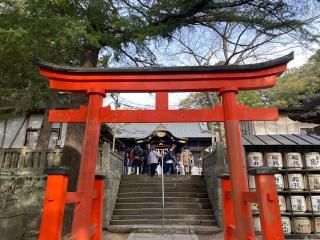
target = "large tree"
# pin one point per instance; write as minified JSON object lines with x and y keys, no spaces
{"x":89,"y":33}
{"x":297,"y":84}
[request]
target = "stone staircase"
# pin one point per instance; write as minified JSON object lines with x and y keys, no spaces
{"x":139,"y":205}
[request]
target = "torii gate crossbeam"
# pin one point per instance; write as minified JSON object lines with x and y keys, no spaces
{"x":227,"y":80}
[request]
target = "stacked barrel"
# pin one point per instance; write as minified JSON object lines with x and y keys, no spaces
{"x":298,"y":185}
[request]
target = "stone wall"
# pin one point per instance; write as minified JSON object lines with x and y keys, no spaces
{"x":113,"y":170}
{"x":23,"y":191}
{"x":214,"y":164}
{"x":22,"y":188}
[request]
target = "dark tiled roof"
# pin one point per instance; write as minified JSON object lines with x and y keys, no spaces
{"x":310,"y":112}
{"x":257,"y":66}
{"x":180,"y":130}
{"x":281,"y":139}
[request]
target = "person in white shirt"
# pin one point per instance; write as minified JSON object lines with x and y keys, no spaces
{"x":153,"y":160}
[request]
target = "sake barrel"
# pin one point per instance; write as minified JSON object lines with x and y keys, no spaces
{"x":257,"y":225}
{"x":282,"y":203}
{"x":286,"y":225}
{"x":314,"y":182}
{"x":312,"y":160}
{"x":274,"y":159}
{"x":255,"y":159}
{"x":278,"y":178}
{"x":317,"y":224}
{"x":294,"y":160}
{"x":252,"y":184}
{"x":302,"y":225}
{"x":254,"y":207}
{"x":313,"y":203}
{"x":295,"y":182}
{"x":298,"y":203}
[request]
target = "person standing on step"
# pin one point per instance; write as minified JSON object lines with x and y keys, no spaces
{"x":185,"y":158}
{"x":126,"y":162}
{"x":146,"y":152}
{"x":131,"y":162}
{"x":153,"y":160}
{"x":170,"y":161}
{"x":138,"y":155}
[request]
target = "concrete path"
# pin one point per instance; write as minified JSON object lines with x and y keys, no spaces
{"x":155,"y":236}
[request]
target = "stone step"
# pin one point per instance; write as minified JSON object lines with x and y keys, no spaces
{"x":159,"y":194}
{"x":158,"y":205}
{"x":158,"y":211}
{"x":167,"y":216}
{"x":166,"y":221}
{"x":159,"y":189}
{"x":169,"y":229}
{"x":159,"y":200}
{"x":158,"y":179}
{"x":159,"y":184}
{"x":176,"y":177}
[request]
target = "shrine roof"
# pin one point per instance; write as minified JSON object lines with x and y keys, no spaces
{"x":178,"y":69}
{"x":281,"y":140}
{"x":179,"y":130}
{"x":310,"y":112}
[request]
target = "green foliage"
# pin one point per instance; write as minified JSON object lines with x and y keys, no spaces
{"x":297,"y":84}
{"x":251,"y":98}
{"x":60,"y":31}
{"x":200,"y":100}
{"x":195,"y":100}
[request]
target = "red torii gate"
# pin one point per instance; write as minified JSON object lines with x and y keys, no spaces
{"x":227,"y":80}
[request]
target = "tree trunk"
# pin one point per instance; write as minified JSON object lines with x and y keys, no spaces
{"x":89,"y":57}
{"x":45,"y":132}
{"x":72,"y":148}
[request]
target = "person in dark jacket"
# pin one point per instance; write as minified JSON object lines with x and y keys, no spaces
{"x":138,"y":156}
{"x":146,"y":152}
{"x":170,"y":161}
{"x":126,"y":162}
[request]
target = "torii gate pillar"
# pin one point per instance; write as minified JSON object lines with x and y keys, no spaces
{"x":238,"y":171}
{"x":227,"y":80}
{"x":86,"y":181}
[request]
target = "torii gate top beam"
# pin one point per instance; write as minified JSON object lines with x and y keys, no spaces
{"x":165,"y":79}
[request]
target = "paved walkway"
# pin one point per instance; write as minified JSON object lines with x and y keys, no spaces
{"x":155,"y":236}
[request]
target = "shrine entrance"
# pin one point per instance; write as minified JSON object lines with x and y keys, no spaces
{"x":227,"y":80}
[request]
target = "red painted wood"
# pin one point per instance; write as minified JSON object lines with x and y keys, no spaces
{"x":162,"y":76}
{"x":250,"y":197}
{"x":73,"y":197}
{"x":53,"y":207}
{"x":270,"y":217}
{"x":162,"y":100}
{"x":82,"y":211}
{"x":238,"y":171}
{"x":228,"y":218}
{"x":107,"y":115}
{"x":165,"y":86}
{"x":97,"y":209}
